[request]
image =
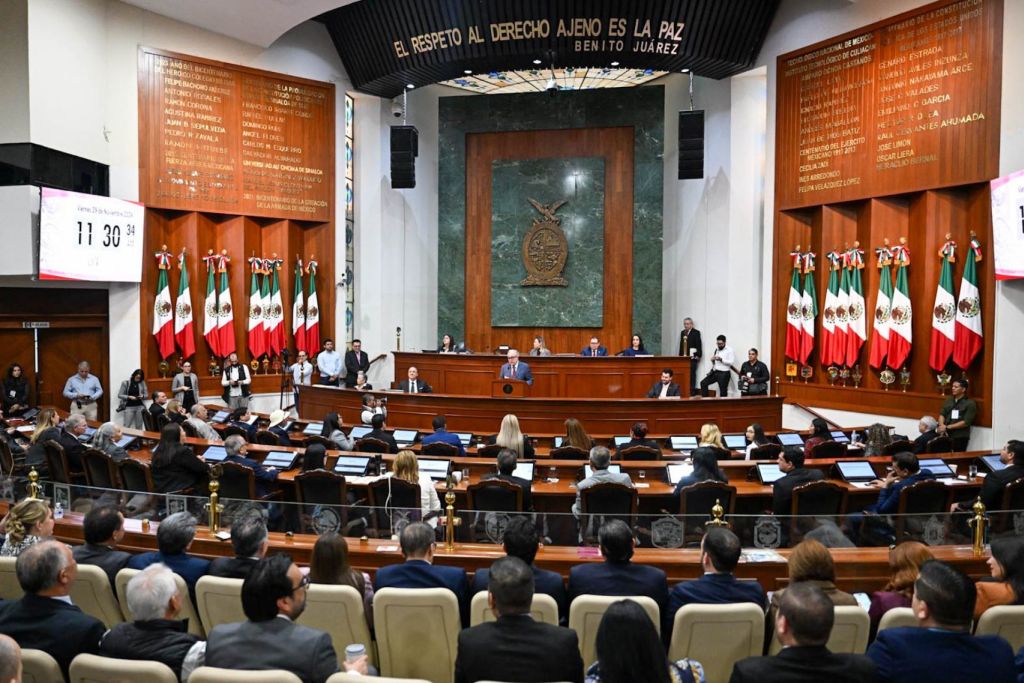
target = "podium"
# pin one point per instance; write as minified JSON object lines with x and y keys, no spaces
{"x":509,"y":388}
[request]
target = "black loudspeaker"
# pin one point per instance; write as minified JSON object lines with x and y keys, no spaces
{"x":404,"y":150}
{"x":691,"y":145}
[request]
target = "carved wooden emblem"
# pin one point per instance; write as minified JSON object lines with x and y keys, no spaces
{"x":545,"y":249}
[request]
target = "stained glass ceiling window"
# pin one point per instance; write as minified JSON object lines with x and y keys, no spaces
{"x":567,"y":79}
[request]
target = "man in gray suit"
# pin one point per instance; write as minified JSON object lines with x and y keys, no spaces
{"x":273,"y":596}
{"x":600,"y":458}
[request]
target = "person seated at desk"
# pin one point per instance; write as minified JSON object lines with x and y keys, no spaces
{"x":406,"y":467}
{"x":199,"y":422}
{"x":507,"y":462}
{"x":378,"y":432}
{"x":819,"y":434}
{"x":594,"y":349}
{"x":105,"y":439}
{"x":159,"y":404}
{"x":176,"y":412}
{"x":514,"y":369}
{"x":447,"y":344}
{"x":510,"y":436}
{"x":810,"y":562}
{"x":174,"y":466}
{"x":1006,"y":587}
{"x":576,"y":436}
{"x":705,"y":468}
{"x":274,"y":427}
{"x":906,"y":471}
{"x":876,"y":439}
{"x":174,"y":537}
{"x":414,"y":385}
{"x":711,"y":435}
{"x":332,"y":432}
{"x":635,"y":348}
{"x":755,"y":438}
{"x":103,"y":529}
{"x":941,"y":647}
{"x":27,"y":523}
{"x":314,"y":458}
{"x":249,"y":539}
{"x":664,"y":387}
{"x":538,"y":347}
{"x":242,"y":418}
{"x":926,"y":427}
{"x":1011,"y":455}
{"x":9,"y":436}
{"x":441,"y":435}
{"x":791,"y":462}
{"x":237,"y":448}
{"x":905,"y":562}
{"x":639,"y":438}
{"x":46,"y":429}
{"x":600,"y":458}
{"x":74,"y":427}
{"x":361,"y":383}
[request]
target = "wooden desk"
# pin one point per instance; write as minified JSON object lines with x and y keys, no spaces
{"x":553,"y":376}
{"x":482,"y":415}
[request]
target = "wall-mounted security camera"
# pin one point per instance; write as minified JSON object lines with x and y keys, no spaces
{"x":396,"y":108}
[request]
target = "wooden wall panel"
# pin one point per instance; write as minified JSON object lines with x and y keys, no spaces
{"x":615,"y":145}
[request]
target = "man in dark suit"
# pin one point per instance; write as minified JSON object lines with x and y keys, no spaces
{"x":941,"y":647}
{"x":237,"y":448}
{"x":515,"y":369}
{"x":791,"y":461}
{"x":906,"y":471}
{"x":617,"y":575}
{"x":356,"y":361}
{"x":1012,"y":455}
{"x":418,"y":570}
{"x":273,"y":597}
{"x":507,"y":461}
{"x":690,"y":347}
{"x":174,"y":537}
{"x":74,"y":427}
{"x":665,"y":387}
{"x":638,"y":432}
{"x":806,"y":616}
{"x":719,"y":555}
{"x":249,"y":540}
{"x":926,"y":427}
{"x":441,"y":435}
{"x":414,"y":385}
{"x":44,"y":618}
{"x":378,"y":432}
{"x":156,"y":408}
{"x":103,"y":529}
{"x":515,"y":645}
{"x":594,"y":348}
{"x":522,"y":540}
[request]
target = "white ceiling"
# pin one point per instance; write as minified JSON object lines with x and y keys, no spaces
{"x":259,"y":22}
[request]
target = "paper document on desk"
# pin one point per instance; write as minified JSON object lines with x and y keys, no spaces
{"x":754,"y":556}
{"x":25,"y":429}
{"x":641,"y":485}
{"x":863,"y":484}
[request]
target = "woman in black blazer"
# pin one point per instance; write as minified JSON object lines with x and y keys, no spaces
{"x":174,"y":465}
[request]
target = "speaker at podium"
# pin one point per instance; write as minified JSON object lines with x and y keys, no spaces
{"x":509,"y":388}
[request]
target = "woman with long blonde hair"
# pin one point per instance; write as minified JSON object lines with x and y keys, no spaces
{"x":576,"y":436}
{"x":710,"y":435}
{"x":406,"y":468}
{"x":28,"y":523}
{"x":510,"y":436}
{"x":46,"y":430}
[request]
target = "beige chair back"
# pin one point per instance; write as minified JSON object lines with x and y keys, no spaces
{"x":897,"y":617}
{"x":717,"y":636}
{"x":1006,"y":621}
{"x":211,"y":674}
{"x":39,"y":667}
{"x":849,"y":632}
{"x":219,"y":601}
{"x":92,"y":669}
{"x":417,"y":632}
{"x":92,"y":593}
{"x":544,"y":609}
{"x":188,"y":610}
{"x":10,"y":589}
{"x":355,"y":678}
{"x":338,"y":610}
{"x":585,"y":615}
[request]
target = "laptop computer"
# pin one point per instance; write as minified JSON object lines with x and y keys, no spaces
{"x":735,"y":442}
{"x":558,"y":441}
{"x":524,"y":470}
{"x":352,"y":465}
{"x":856,"y":470}
{"x":617,"y":469}
{"x":313,"y":429}
{"x":87,"y":434}
{"x":405,"y":437}
{"x":622,"y":441}
{"x":282,"y":460}
{"x":769,"y":473}
{"x":840,"y":436}
{"x":682,"y":443}
{"x":790,"y":439}
{"x":126,"y":441}
{"x":435,"y":468}
{"x":359,"y":431}
{"x":465,"y":438}
{"x":215,"y":454}
{"x":220,"y":417}
{"x":677,"y":470}
{"x":992,"y":462}
{"x":938,"y":467}
{"x":30,"y":414}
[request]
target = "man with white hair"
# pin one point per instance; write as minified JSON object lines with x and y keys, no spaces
{"x":174,"y":537}
{"x":156,"y":632}
{"x":10,"y":660}
{"x":926,"y":427}
{"x":199,"y":423}
{"x":74,"y":427}
{"x":83,"y":390}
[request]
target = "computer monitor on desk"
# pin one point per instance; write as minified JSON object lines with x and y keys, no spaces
{"x":614,"y":468}
{"x":215,"y":454}
{"x":465,"y":437}
{"x":436,"y":469}
{"x":678,"y":470}
{"x":790,"y":439}
{"x":769,"y":473}
{"x":359,"y":431}
{"x":993,"y":463}
{"x":405,"y":437}
{"x":735,"y":442}
{"x":352,"y":465}
{"x":682,"y":443}
{"x":524,"y":470}
{"x":313,"y":429}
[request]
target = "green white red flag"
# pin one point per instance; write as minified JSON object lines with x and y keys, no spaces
{"x":856,"y":331}
{"x":225,"y":311}
{"x":943,"y":311}
{"x":210,"y":309}
{"x":163,"y":311}
{"x":883,"y":305}
{"x":828,"y":315}
{"x":808,"y":308}
{"x":312,"y":308}
{"x":257,"y":334}
{"x":276,"y":340}
{"x":842,"y":313}
{"x":901,"y":330}
{"x":299,"y":310}
{"x":969,"y":334}
{"x":184,"y":330}
{"x":794,"y":316}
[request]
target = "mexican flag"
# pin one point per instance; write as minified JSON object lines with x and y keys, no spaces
{"x":257,"y":333}
{"x":943,"y":312}
{"x":808,"y":309}
{"x":828,"y":318}
{"x":268,"y":316}
{"x":163,"y":311}
{"x":968,"y":311}
{"x":225,"y":311}
{"x":794,"y":318}
{"x":880,"y":339}
{"x":210,"y":309}
{"x":299,"y":311}
{"x":856,"y":333}
{"x":184,"y":332}
{"x":312,"y":309}
{"x":276,"y":340}
{"x":842,"y":313}
{"x":901,"y":330}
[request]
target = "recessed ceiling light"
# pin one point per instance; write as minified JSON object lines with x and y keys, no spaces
{"x":615,"y":63}
{"x":686,"y":71}
{"x":537,"y":62}
{"x":468,"y":72}
{"x":410,"y":86}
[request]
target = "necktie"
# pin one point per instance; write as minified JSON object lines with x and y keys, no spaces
{"x":414,"y":386}
{"x":513,"y":372}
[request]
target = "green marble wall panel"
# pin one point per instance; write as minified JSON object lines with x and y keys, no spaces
{"x":578,"y":181}
{"x":641,"y":108}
